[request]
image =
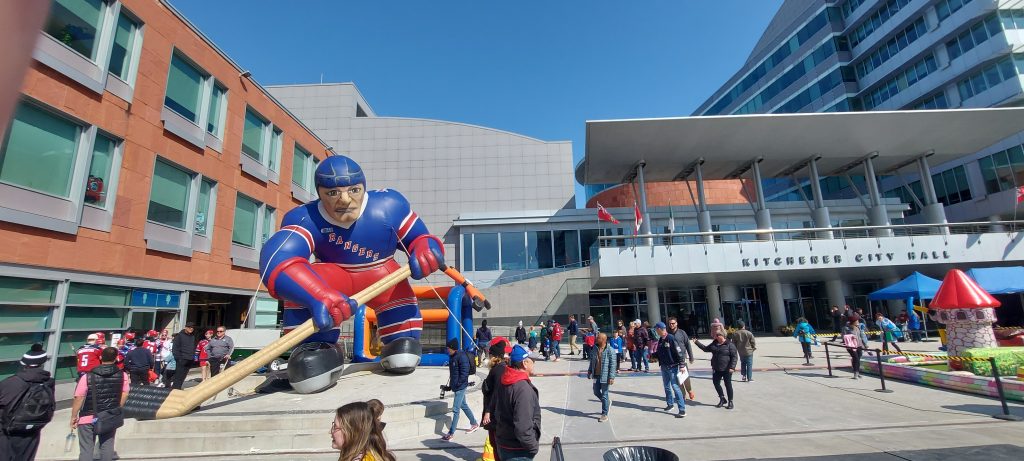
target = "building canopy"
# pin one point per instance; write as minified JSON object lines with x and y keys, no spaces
{"x":784,"y":143}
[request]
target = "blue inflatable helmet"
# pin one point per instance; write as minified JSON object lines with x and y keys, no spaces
{"x":339,"y":171}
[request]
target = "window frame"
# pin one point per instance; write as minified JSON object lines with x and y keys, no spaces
{"x":92,"y":72}
{"x":241,"y":254}
{"x":306,"y":192}
{"x":261,"y":168}
{"x":26,"y":206}
{"x":169,"y":239}
{"x":195,"y":132}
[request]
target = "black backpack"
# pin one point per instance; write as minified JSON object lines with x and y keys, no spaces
{"x":33,"y":410}
{"x":472,"y":362}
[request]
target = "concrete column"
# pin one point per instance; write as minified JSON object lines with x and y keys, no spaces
{"x":836,"y":293}
{"x":933,"y":211}
{"x":996,"y":227}
{"x":762,"y":217}
{"x":714,"y":301}
{"x":703,"y":214}
{"x":645,"y":227}
{"x":776,"y":304}
{"x":894,"y":306}
{"x":820,"y":213}
{"x":653,"y":304}
{"x":877,"y":214}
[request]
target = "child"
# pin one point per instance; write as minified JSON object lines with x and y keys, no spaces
{"x":589,"y":341}
{"x":532,"y":343}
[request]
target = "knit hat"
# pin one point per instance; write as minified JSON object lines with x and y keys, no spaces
{"x":660,"y":325}
{"x":35,"y":356}
{"x":453,"y":344}
{"x":519,"y":353}
{"x":503,"y":343}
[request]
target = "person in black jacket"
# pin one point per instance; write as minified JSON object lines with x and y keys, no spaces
{"x":520,"y":333}
{"x":516,"y":406}
{"x":19,"y":444}
{"x":499,"y":349}
{"x":670,"y":358}
{"x":458,"y":381}
{"x":184,"y":352}
{"x":723,"y":363}
{"x":138,"y":362}
{"x":102,"y":389}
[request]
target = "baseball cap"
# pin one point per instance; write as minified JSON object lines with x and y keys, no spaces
{"x":92,"y":337}
{"x":519,"y":353}
{"x":660,"y":325}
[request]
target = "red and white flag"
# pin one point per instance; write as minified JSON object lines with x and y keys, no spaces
{"x":639,"y":219}
{"x":1020,"y":194}
{"x":604,"y":215}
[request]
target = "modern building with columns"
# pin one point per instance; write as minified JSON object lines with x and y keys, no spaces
{"x":761,"y":274}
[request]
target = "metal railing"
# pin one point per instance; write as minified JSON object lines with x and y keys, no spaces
{"x":814,"y":233}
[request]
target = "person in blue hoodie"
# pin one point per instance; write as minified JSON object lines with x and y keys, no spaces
{"x":618,"y":345}
{"x":804,"y":332}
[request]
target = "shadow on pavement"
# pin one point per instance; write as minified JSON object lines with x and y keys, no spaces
{"x":575,"y":413}
{"x":987,"y":410}
{"x":973,"y":453}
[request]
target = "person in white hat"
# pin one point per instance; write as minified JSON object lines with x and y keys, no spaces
{"x":89,"y":354}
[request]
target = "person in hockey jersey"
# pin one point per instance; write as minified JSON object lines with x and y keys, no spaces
{"x":354,"y":234}
{"x":88,"y":356}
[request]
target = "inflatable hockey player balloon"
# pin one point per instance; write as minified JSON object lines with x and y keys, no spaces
{"x":354,"y":234}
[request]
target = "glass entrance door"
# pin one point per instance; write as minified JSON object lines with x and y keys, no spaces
{"x":142,"y":320}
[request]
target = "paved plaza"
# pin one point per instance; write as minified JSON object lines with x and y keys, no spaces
{"x":789,"y":411}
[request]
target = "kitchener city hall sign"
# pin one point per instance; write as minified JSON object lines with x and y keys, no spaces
{"x":819,"y":260}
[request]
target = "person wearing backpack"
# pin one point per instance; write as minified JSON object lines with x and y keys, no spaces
{"x":26,"y":405}
{"x":102,"y":392}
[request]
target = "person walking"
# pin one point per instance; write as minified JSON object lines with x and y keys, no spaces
{"x":139,"y":362}
{"x":517,"y":410}
{"x":670,"y":358}
{"x":745,"y":344}
{"x":603,"y":372}
{"x":855,"y":341}
{"x":630,"y":346}
{"x":683,"y":340}
{"x":723,"y":363}
{"x":534,"y":339}
{"x":184,"y":350}
{"x":27,"y":403}
{"x":555,"y":345}
{"x":545,"y":336}
{"x":837,"y":321}
{"x":589,"y":342}
{"x":617,"y":345}
{"x":520,"y":333}
{"x":483,"y":338}
{"x":103,"y":390}
{"x":458,"y":381}
{"x":573,"y":329}
{"x":641,"y":340}
{"x":498,"y":363}
{"x":889,"y":332}
{"x":169,"y":363}
{"x":88,"y":356}
{"x":804,"y":333}
{"x":219,"y":348}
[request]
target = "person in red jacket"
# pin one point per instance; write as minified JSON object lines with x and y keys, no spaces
{"x":88,"y":356}
{"x":202,"y":356}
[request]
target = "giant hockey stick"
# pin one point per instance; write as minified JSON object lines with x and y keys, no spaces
{"x":147,"y":402}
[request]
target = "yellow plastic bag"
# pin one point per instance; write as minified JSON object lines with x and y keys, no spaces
{"x":488,"y":451}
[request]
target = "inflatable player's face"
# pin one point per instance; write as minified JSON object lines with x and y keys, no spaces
{"x":343,"y":204}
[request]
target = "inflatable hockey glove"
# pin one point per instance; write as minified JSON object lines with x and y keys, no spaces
{"x":295,"y":281}
{"x":426,"y":255}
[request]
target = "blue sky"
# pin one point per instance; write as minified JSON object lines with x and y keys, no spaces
{"x":539,"y":68}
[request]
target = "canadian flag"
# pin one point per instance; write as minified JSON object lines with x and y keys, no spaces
{"x":639,"y":219}
{"x":604,"y":215}
{"x":1020,"y":194}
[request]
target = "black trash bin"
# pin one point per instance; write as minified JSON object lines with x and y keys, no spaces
{"x":639,"y":453}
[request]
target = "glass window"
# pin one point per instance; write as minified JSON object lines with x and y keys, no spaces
{"x":14,"y":345}
{"x":95,"y":317}
{"x":588,"y":237}
{"x":124,"y":45}
{"x":215,"y":119}
{"x":311,"y":185}
{"x":252,"y":137}
{"x":299,"y":159}
{"x":269,"y":225}
{"x":184,"y":89}
{"x":485,"y":252}
{"x":99,"y":171}
{"x":19,"y":290}
{"x":76,"y":23}
{"x":168,"y":200}
{"x":244,"y":230}
{"x":266,"y":313}
{"x":143,"y":320}
{"x":567,"y":248}
{"x":538,"y":244}
{"x":203,"y":208}
{"x":24,"y":318}
{"x":104,"y":295}
{"x":275,"y":150}
{"x":37,"y":137}
{"x":513,"y":251}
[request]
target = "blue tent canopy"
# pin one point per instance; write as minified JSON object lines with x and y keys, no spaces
{"x":999,"y":280}
{"x":915,"y":286}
